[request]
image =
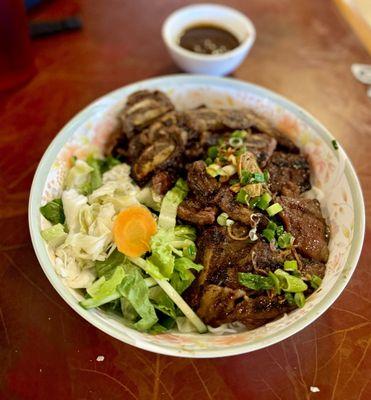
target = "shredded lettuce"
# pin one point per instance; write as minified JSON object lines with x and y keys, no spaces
{"x":55,"y":235}
{"x":117,"y":189}
{"x":145,"y":196}
{"x":72,"y":204}
{"x":78,"y":177}
{"x":53,"y":211}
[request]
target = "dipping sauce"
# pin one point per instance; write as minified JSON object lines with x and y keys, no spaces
{"x":208,"y":39}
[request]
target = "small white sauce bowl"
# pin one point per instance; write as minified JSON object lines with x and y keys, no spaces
{"x":209,"y":64}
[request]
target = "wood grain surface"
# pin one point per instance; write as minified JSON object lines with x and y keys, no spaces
{"x":304,"y":50}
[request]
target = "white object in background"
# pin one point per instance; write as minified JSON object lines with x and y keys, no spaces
{"x":210,"y":64}
{"x":362,"y":72}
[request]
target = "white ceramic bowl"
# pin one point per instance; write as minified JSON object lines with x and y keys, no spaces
{"x":332,"y":173}
{"x":215,"y":64}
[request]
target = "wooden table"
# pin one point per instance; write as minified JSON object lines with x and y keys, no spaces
{"x":304,"y":50}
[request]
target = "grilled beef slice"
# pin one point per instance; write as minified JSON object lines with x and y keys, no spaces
{"x":225,"y":199}
{"x":262,"y":146}
{"x":142,"y":108}
{"x":217,"y":251}
{"x":202,"y":185}
{"x":289,"y":174}
{"x":303,"y":219}
{"x":220,"y":305}
{"x":163,"y":181}
{"x":193,"y":211}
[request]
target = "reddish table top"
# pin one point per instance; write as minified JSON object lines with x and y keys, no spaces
{"x":304,"y":50}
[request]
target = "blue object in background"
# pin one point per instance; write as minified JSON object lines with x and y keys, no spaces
{"x":31,"y":3}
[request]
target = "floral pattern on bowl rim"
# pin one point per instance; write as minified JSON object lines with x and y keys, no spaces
{"x":333,"y":174}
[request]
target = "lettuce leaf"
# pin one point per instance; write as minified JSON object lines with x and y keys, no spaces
{"x":185,"y":232}
{"x":182,"y":276}
{"x":53,"y":211}
{"x":170,"y":203}
{"x":55,"y":235}
{"x":135,"y":290}
{"x":96,"y":174}
{"x":162,"y":252}
{"x":106,"y":267}
{"x":162,"y":301}
{"x":104,"y":290}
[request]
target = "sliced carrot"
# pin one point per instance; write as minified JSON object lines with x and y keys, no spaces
{"x":133,"y":229}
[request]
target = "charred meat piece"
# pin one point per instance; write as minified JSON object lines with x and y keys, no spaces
{"x":142,"y":108}
{"x":308,"y":268}
{"x":225,"y":199}
{"x":195,"y":212}
{"x":224,"y":305}
{"x":159,"y":130}
{"x":202,"y":185}
{"x":166,"y":152}
{"x":217,"y":251}
{"x":163,"y":181}
{"x":289,"y":174}
{"x":262,"y":146}
{"x":265,"y":259}
{"x":303,"y":219}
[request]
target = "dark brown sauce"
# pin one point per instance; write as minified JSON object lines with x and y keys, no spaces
{"x":208,"y":39}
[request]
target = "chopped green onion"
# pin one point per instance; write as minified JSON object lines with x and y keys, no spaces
{"x":290,"y":283}
{"x":268,"y":234}
{"x":290,"y":298}
{"x":254,"y":281}
{"x":290,"y":265}
{"x":266,"y":176}
{"x":212,"y":152}
{"x":213,"y":170}
{"x":335,"y":144}
{"x":239,"y":134}
{"x":254,"y":201}
{"x":208,"y":161}
{"x":222,"y":219}
{"x":276,"y":282}
{"x":315,"y":282}
{"x":245,"y":177}
{"x":242,"y":196}
{"x":279,"y":230}
{"x":241,"y":151}
{"x":257,"y":177}
{"x":251,"y":177}
{"x":274,"y":209}
{"x":229,"y":222}
{"x":190,"y":252}
{"x":285,"y":240}
{"x":264,"y":201}
{"x":299,"y":299}
{"x":271,"y":225}
{"x":235,"y":142}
